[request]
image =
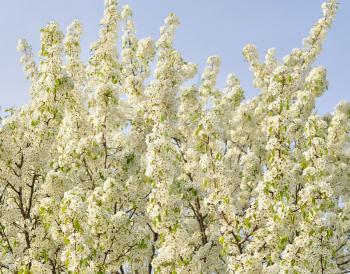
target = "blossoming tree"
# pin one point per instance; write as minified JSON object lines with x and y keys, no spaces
{"x":113,"y":168}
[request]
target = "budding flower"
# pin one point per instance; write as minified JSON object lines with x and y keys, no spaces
{"x":126,"y":12}
{"x":172,"y":19}
{"x":146,"y":48}
{"x":316,"y":81}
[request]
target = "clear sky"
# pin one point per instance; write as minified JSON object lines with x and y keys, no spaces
{"x":207,"y":27}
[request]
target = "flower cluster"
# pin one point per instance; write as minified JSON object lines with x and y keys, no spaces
{"x":116,"y":167}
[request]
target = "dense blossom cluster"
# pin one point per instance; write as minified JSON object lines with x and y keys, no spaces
{"x":112,"y":169}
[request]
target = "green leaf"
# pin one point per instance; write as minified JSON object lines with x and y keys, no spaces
{"x":247,"y":222}
{"x":66,"y":240}
{"x":142,"y":244}
{"x":77,"y":226}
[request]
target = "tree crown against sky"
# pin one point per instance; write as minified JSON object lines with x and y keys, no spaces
{"x":213,"y":28}
{"x":120,"y":166}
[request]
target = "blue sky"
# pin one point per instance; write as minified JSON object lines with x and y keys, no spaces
{"x":207,"y":27}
